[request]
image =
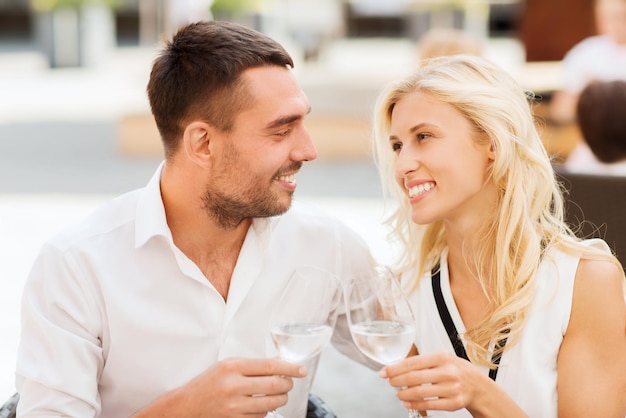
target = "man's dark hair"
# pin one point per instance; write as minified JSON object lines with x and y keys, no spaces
{"x":198,"y":76}
{"x":601,"y":113}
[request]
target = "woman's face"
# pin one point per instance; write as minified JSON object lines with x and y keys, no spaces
{"x":440,"y":166}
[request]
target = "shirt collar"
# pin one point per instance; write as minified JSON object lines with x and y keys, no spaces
{"x":262,"y":227}
{"x":151,"y":221}
{"x":150,"y":218}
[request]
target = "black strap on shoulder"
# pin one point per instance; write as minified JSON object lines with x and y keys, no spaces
{"x":444,"y":314}
{"x":453,"y":334}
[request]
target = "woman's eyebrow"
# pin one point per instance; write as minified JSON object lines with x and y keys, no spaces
{"x":413,"y":129}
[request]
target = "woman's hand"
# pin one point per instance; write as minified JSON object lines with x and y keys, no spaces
{"x":443,"y":381}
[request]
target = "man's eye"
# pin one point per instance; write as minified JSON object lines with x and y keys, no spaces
{"x":284,"y":133}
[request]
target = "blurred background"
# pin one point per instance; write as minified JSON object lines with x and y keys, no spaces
{"x":75,"y":59}
{"x":75,"y":126}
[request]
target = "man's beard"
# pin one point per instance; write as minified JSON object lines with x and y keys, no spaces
{"x":228,"y":212}
{"x":254,"y":201}
{"x":244,"y":196}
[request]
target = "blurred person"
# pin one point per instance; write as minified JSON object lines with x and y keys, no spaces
{"x":599,"y":57}
{"x":158,"y":303}
{"x":515,"y":316}
{"x":441,"y":42}
{"x":600,"y":113}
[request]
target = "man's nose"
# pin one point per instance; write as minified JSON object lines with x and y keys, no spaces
{"x":305,"y":149}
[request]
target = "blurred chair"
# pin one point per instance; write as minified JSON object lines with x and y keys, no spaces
{"x":9,"y":409}
{"x":315,"y":409}
{"x":595,"y":207}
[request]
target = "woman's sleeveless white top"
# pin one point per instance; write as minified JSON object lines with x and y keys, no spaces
{"x":528,"y":369}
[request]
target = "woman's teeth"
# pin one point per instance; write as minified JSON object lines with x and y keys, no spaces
{"x":420,"y":189}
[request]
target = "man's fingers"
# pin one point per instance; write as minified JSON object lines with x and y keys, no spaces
{"x":262,"y":403}
{"x":271,"y":367}
{"x":267,"y":385}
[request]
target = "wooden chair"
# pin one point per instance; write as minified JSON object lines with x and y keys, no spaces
{"x":316,"y":408}
{"x":596,"y":208}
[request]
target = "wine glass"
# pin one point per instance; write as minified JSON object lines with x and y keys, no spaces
{"x":303,"y":320}
{"x":380,"y":317}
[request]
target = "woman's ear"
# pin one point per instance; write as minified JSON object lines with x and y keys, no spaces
{"x":196,"y":141}
{"x":492,"y":151}
{"x":488,"y":145}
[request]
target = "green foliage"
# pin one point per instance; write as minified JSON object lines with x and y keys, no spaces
{"x":230,"y":6}
{"x":47,"y":5}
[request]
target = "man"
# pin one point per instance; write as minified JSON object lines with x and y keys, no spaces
{"x":158,"y":303}
{"x":600,"y":115}
{"x":595,"y":58}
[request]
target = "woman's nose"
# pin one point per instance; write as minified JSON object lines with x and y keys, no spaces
{"x":406,"y":162}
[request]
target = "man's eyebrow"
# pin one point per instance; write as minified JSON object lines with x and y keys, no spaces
{"x":285,"y":120}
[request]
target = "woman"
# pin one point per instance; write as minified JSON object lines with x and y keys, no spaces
{"x":539,"y":314}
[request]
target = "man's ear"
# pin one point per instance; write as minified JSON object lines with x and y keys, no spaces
{"x":196,"y":141}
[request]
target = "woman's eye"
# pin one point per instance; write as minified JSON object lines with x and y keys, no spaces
{"x":396,"y":146}
{"x":422,"y":136}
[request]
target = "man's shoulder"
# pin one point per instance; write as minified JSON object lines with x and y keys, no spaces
{"x":109,"y":216}
{"x":317,"y":230}
{"x":313,"y":220}
{"x":591,"y":45}
{"x":309,"y":214}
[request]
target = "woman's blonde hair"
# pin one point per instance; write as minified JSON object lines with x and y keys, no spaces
{"x":528,"y":216}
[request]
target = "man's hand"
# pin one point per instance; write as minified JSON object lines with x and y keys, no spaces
{"x":231,"y":388}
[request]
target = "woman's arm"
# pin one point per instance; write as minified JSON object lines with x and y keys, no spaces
{"x":592,"y":359}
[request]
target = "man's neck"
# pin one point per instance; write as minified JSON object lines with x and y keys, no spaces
{"x":213,"y":248}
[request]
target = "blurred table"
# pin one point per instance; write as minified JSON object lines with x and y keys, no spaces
{"x":541,"y":77}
